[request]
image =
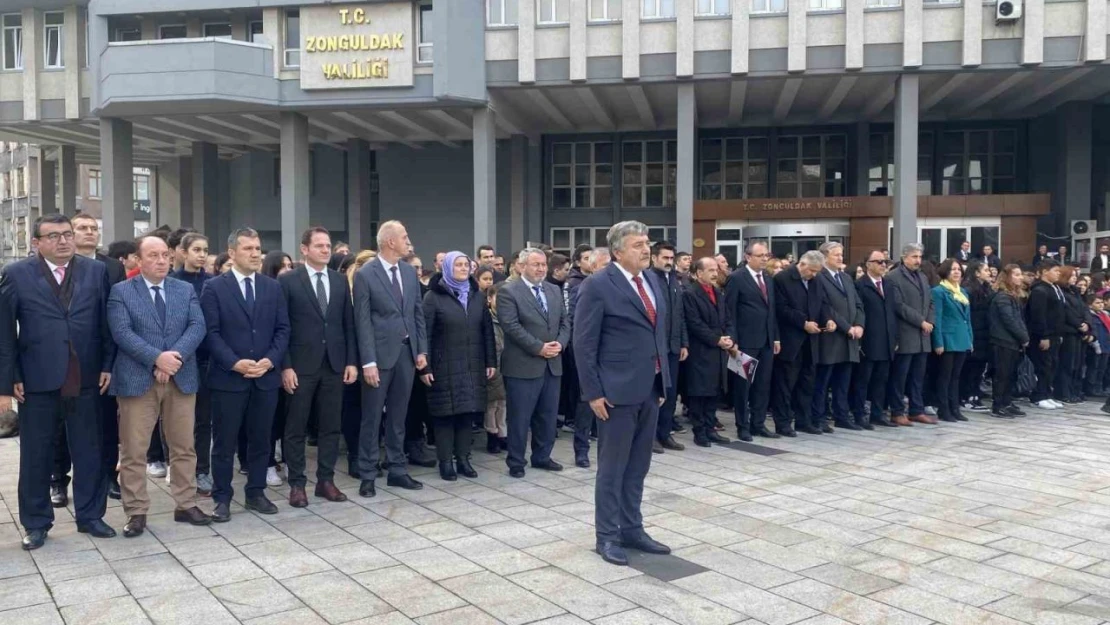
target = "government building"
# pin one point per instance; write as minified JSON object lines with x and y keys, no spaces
{"x":716,"y":122}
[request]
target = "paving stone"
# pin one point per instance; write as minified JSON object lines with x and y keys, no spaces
{"x":86,"y":590}
{"x":14,"y":562}
{"x":245,"y":529}
{"x":108,"y":612}
{"x":762,"y":605}
{"x":42,"y":614}
{"x":493,"y":555}
{"x":255,"y":598}
{"x":443,"y":530}
{"x":346,"y":514}
{"x":315,"y":533}
{"x":932,"y":581}
{"x":390,"y":538}
{"x":468,"y":615}
{"x":336,"y":597}
{"x":202,"y":550}
{"x":517,"y":534}
{"x":501,"y":598}
{"x":301,"y":616}
{"x":1001,"y":579}
{"x":936,"y":542}
{"x":571,"y":593}
{"x":1052,"y":555}
{"x":769,"y":553}
{"x":845,"y":578}
{"x":845,"y":605}
{"x":1040,"y":612}
{"x":939,"y":609}
{"x":66,"y":565}
{"x":187,"y":608}
{"x":238,"y":569}
{"x":154,"y":575}
{"x":408,"y":591}
{"x":639,"y":616}
{"x":404,"y":513}
{"x":677,"y":604}
{"x":355,"y":558}
{"x":582,"y":562}
{"x":737,"y":566}
{"x":1078,"y":580}
{"x":284,"y":558}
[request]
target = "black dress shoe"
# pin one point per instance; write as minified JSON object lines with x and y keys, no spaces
{"x":717,"y":438}
{"x":788,"y":433}
{"x":1001,"y":414}
{"x":516,"y":472}
{"x":645,"y":543}
{"x":464,"y":468}
{"x":671,"y":444}
{"x":34,"y":539}
{"x":404,"y":481}
{"x":192,"y":516}
{"x":612,"y":553}
{"x":548,"y":465}
{"x":58,"y":497}
{"x":366,"y":488}
{"x":447,"y":472}
{"x":136,"y":525}
{"x":960,"y":417}
{"x":848,"y":425}
{"x":883,"y":421}
{"x":1014,"y":411}
{"x":865,"y":425}
{"x":582,"y":462}
{"x":765,"y":433}
{"x":97,"y":529}
{"x":746,"y":437}
{"x":221,"y":513}
{"x":419,"y":456}
{"x":702,"y":441}
{"x":113,"y":489}
{"x":809,"y":429}
{"x":948,"y":419}
{"x":260,"y":504}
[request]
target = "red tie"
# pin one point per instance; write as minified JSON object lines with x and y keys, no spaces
{"x":650,"y":310}
{"x":762,"y":286}
{"x":879,"y":285}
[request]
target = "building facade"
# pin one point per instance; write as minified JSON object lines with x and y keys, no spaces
{"x":19,"y":198}
{"x":716,"y":122}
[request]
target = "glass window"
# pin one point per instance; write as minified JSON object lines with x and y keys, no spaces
{"x":94,"y":183}
{"x":218,"y":29}
{"x":605,"y":10}
{"x":292,"y":38}
{"x":734,"y":168}
{"x":172,"y":31}
{"x":53,"y":26}
{"x":650,"y":173}
{"x":658,"y":8}
{"x":424,"y":48}
{"x":254,"y":29}
{"x":884,"y":3}
{"x":826,"y":5}
{"x":565,"y":240}
{"x":930,"y":239}
{"x":552,"y":11}
{"x":13,"y":41}
{"x":501,"y":12}
{"x":768,"y":6}
{"x":140,"y":187}
{"x":582,"y":175}
{"x":942,"y":1}
{"x":986,"y":235}
{"x":881,"y":168}
{"x":977,"y":162}
{"x":128,"y":34}
{"x":713,"y":7}
{"x":811,"y":166}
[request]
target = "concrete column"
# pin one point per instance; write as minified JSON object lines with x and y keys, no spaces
{"x":687,"y":165}
{"x":684,"y":38}
{"x":193,"y":27}
{"x":359,"y":218}
{"x":578,"y":43}
{"x":913,"y":23}
{"x":526,"y":41}
{"x":973,"y":34}
{"x":273,"y":29}
{"x":1095,"y":41}
{"x":533,"y":208}
{"x":294,"y":179}
{"x":67,"y":161}
{"x":796,"y":35}
{"x":518,"y":187}
{"x":740,"y":10}
{"x":905,"y":160}
{"x":1032,"y":38}
{"x":48,"y":175}
{"x":854,"y":34}
{"x":485,"y":177}
{"x":32,"y":60}
{"x":116,"y":164}
{"x":630,"y":37}
{"x":1072,"y":199}
{"x":863,"y":158}
{"x":148,"y":29}
{"x":205,"y":184}
{"x":71,"y":56}
{"x":175,"y":192}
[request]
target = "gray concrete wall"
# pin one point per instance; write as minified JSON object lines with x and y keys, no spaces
{"x":431,"y":191}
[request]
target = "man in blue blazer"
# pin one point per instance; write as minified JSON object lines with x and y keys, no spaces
{"x":57,"y":365}
{"x":157,"y":324}
{"x":754,"y":330}
{"x":248,"y":333}
{"x":621,"y":343}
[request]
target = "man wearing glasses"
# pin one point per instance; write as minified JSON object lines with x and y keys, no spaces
{"x":877,"y":346}
{"x":57,"y":366}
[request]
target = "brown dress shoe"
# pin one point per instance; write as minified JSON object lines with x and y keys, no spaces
{"x":328,"y":491}
{"x":901,"y":420}
{"x":135,"y":526}
{"x":923,"y":418}
{"x":297,"y":497}
{"x":192,"y":516}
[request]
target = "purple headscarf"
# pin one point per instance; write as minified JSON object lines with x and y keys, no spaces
{"x":461,"y":289}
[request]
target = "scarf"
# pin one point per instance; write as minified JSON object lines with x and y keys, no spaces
{"x":956,"y":291}
{"x":461,"y":288}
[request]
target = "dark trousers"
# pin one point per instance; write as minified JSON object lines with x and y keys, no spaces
{"x":454,"y":436}
{"x":417,"y":417}
{"x":392,"y":395}
{"x":666,"y":411}
{"x":624,"y":444}
{"x":949,"y":366}
{"x":108,"y":414}
{"x":703,"y":415}
{"x":793,"y":389}
{"x":750,"y":399}
{"x":1044,"y":364}
{"x":972,"y":375}
{"x":202,"y":424}
{"x":570,"y":394}
{"x":352,"y":420}
{"x":230,"y":411}
{"x":38,"y":419}
{"x":1067,"y":367}
{"x":1005,"y":365}
{"x":1096,"y":369}
{"x":834,"y":378}
{"x":321,"y":390}
{"x":907,"y":379}
{"x":583,"y":426}
{"x":531,"y":404}
{"x":871,"y":379}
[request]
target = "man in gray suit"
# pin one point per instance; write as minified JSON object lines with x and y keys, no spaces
{"x":537,"y":329}
{"x":913,"y":307}
{"x":838,"y":348}
{"x":392,"y":344}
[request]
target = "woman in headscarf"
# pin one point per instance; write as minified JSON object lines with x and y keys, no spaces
{"x":461,"y":360}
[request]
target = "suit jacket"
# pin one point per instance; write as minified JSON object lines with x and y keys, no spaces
{"x":880,"y":341}
{"x":707,"y":323}
{"x":317,"y":339}
{"x":616,"y":347}
{"x":1100,"y":263}
{"x":381,"y":322}
{"x":991,"y":261}
{"x":846,"y":311}
{"x":36,"y":351}
{"x":141,"y":337}
{"x":913,"y":303}
{"x":527,"y":329}
{"x":963,"y":256}
{"x":676,"y":333}
{"x":794,"y":306}
{"x":233,"y":334}
{"x":116,"y":272}
{"x":753,"y":325}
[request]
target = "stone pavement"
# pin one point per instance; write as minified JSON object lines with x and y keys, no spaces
{"x":987,"y":522}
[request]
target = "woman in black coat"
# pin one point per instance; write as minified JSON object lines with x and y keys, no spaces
{"x":1009,"y":336}
{"x":461,"y":359}
{"x":1075,"y":329}
{"x":707,"y":322}
{"x":977,"y":282}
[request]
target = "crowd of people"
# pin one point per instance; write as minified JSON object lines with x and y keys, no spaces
{"x":161,"y":359}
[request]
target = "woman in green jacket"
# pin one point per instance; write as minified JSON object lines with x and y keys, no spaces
{"x":952,"y":338}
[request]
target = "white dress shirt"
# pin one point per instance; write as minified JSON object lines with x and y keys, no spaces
{"x":532,"y":291}
{"x":388,"y":266}
{"x":312,"y":273}
{"x":647,"y":287}
{"x":242,"y":285}
{"x":150,"y":289}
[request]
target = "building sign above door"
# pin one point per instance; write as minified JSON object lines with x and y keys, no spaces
{"x":357,"y":46}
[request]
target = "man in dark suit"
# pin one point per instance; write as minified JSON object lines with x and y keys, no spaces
{"x":157,"y":323}
{"x":537,"y":330}
{"x":964,"y":253}
{"x":248,"y":333}
{"x":707,"y":322}
{"x":392,"y":345}
{"x":755,"y":331}
{"x":86,"y":238}
{"x":990,"y":259}
{"x":802,"y":313}
{"x":321,"y":358}
{"x":837,"y":348}
{"x":879,"y":343}
{"x":1041,"y":255}
{"x":1101,"y":261}
{"x":621,"y":346}
{"x":56,"y":355}
{"x":913,"y":306}
{"x":662,"y":261}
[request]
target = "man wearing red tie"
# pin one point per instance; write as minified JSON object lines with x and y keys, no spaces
{"x":877,"y":346}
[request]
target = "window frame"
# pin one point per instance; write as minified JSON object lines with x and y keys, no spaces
{"x":121,"y":34}
{"x":503,"y":6}
{"x":658,"y":13}
{"x":136,"y":179}
{"x":800,"y":161}
{"x":747,"y":162}
{"x":425,"y":14}
{"x":163,"y":27}
{"x":95,"y":178}
{"x":604,"y":4}
{"x":59,"y":28}
{"x":669,"y":163}
{"x":554,"y":18}
{"x":287,"y":51}
{"x":988,"y":178}
{"x":882,"y":4}
{"x":592,"y":185}
{"x":596,"y":232}
{"x":713,"y":12}
{"x":812,"y":9}
{"x":925,"y":142}
{"x":251,"y":34}
{"x":18,"y":45}
{"x":770,"y":10}
{"x":204,"y":30}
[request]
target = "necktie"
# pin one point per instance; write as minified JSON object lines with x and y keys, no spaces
{"x":321,"y":294}
{"x":60,"y":273}
{"x":650,"y":310}
{"x":762,"y":285}
{"x":249,"y":295}
{"x":539,"y":299}
{"x":879,"y":285}
{"x":396,"y":284}
{"x":159,"y":304}
{"x":839,"y":282}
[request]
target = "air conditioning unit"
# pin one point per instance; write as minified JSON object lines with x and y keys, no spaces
{"x":1007,"y":10}
{"x":1083,"y":226}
